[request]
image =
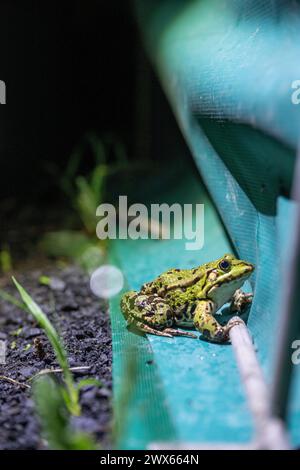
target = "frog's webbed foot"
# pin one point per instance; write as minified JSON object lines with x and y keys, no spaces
{"x":240,"y":300}
{"x":219,"y":335}
{"x":150,"y":314}
{"x":176,"y":332}
{"x":148,"y":329}
{"x":205,"y":322}
{"x":232,"y":322}
{"x":167,"y":332}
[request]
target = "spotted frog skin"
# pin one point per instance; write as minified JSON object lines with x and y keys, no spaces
{"x":189,"y":298}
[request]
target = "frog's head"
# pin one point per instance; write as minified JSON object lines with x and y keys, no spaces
{"x":225,"y":276}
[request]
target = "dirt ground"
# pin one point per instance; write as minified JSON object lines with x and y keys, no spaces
{"x":83,"y":322}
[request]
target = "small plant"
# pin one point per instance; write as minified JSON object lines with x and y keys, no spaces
{"x":71,"y":391}
{"x":84,"y":193}
{"x":55,"y":402}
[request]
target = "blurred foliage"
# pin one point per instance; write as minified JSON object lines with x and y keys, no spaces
{"x":55,"y":418}
{"x":5,"y":260}
{"x":86,"y":251}
{"x":89,"y":191}
{"x":85,"y":192}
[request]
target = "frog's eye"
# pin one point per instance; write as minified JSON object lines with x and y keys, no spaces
{"x":224,"y":265}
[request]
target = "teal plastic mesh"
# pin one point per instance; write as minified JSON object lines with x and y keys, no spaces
{"x":227,"y":69}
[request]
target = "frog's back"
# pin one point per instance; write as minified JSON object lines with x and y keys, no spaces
{"x":174,"y":277}
{"x":180,"y":289}
{"x":174,"y":282}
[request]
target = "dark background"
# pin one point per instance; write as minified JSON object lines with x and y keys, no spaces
{"x":69,"y":67}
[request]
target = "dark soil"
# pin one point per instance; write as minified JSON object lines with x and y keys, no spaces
{"x":83,"y":323}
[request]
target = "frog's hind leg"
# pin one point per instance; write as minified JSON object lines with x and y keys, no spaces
{"x":207,"y":324}
{"x":147,"y":312}
{"x":127,"y":303}
{"x":167,"y":332}
{"x":150,"y":314}
{"x":158,"y":317}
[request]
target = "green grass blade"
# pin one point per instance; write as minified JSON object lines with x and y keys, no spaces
{"x":55,"y":341}
{"x":43,"y":321}
{"x":12,"y":300}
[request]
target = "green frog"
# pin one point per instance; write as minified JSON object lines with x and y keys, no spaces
{"x":189,"y":298}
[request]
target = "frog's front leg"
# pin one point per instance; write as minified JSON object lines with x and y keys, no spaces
{"x":150,"y":314}
{"x":205,"y":322}
{"x":240,"y":300}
